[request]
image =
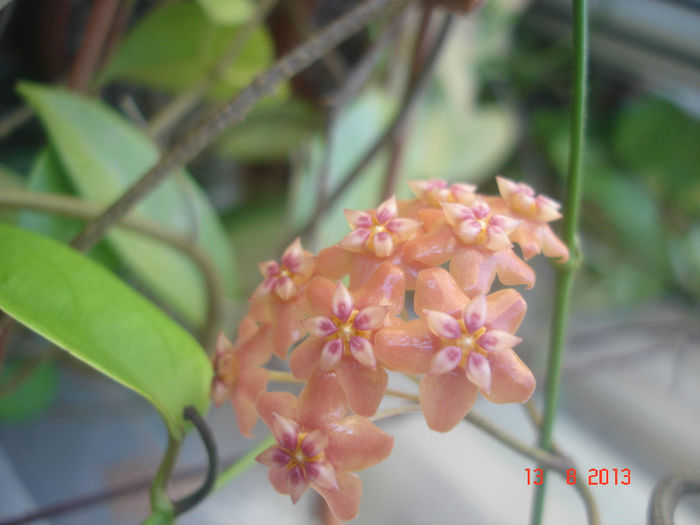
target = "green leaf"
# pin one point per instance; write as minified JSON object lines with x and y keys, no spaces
{"x":48,"y":176}
{"x":271,"y":132}
{"x":10,"y":180}
{"x":661,"y":143}
{"x":84,"y":309}
{"x":452,"y":146}
{"x":103,"y":155}
{"x":34,"y":394}
{"x":177,"y":45}
{"x":227,"y":11}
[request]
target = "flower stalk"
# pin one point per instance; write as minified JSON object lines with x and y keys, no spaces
{"x":565,"y":272}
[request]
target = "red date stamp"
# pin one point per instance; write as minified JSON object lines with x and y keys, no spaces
{"x":594,"y":476}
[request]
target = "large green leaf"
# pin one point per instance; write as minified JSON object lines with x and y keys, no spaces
{"x":84,"y":309}
{"x":103,"y":154}
{"x":48,"y":176}
{"x":177,"y":45}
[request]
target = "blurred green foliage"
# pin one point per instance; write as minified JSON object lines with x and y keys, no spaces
{"x":177,"y":45}
{"x":33,"y":394}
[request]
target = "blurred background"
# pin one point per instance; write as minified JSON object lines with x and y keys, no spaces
{"x":496,"y":102}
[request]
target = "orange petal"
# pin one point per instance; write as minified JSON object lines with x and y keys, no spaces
{"x":305,"y":357}
{"x":525,"y":236}
{"x":406,"y":347}
{"x":255,"y":350}
{"x":333,"y":262}
{"x":511,"y":379}
{"x":286,"y":327}
{"x":363,"y":267}
{"x":434,"y":248}
{"x":432,"y":218}
{"x":355,"y":443}
{"x":385,"y":287}
{"x":513,"y":270}
{"x":505,"y":310}
{"x":446,"y":399}
{"x":251,"y":383}
{"x":474,"y":270}
{"x":280,"y":403}
{"x":552,"y":246}
{"x":363,"y":386}
{"x":437,"y":290}
{"x":344,"y":502}
{"x":319,"y":294}
{"x":321,"y":402}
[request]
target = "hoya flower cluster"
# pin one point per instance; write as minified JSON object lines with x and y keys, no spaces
{"x":448,"y":245}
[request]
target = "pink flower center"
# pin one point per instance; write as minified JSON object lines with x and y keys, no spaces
{"x":467,"y":342}
{"x":297,"y":458}
{"x":345,"y":331}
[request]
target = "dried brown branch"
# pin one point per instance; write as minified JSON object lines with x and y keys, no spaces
{"x":93,"y":43}
{"x":409,"y":101}
{"x":213,"y":126}
{"x":399,"y":138}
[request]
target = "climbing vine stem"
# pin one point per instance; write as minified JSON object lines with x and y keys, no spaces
{"x":565,"y":272}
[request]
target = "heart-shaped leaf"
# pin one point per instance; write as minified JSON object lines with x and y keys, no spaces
{"x":84,"y":309}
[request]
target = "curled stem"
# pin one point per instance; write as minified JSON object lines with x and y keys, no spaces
{"x":668,"y":492}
